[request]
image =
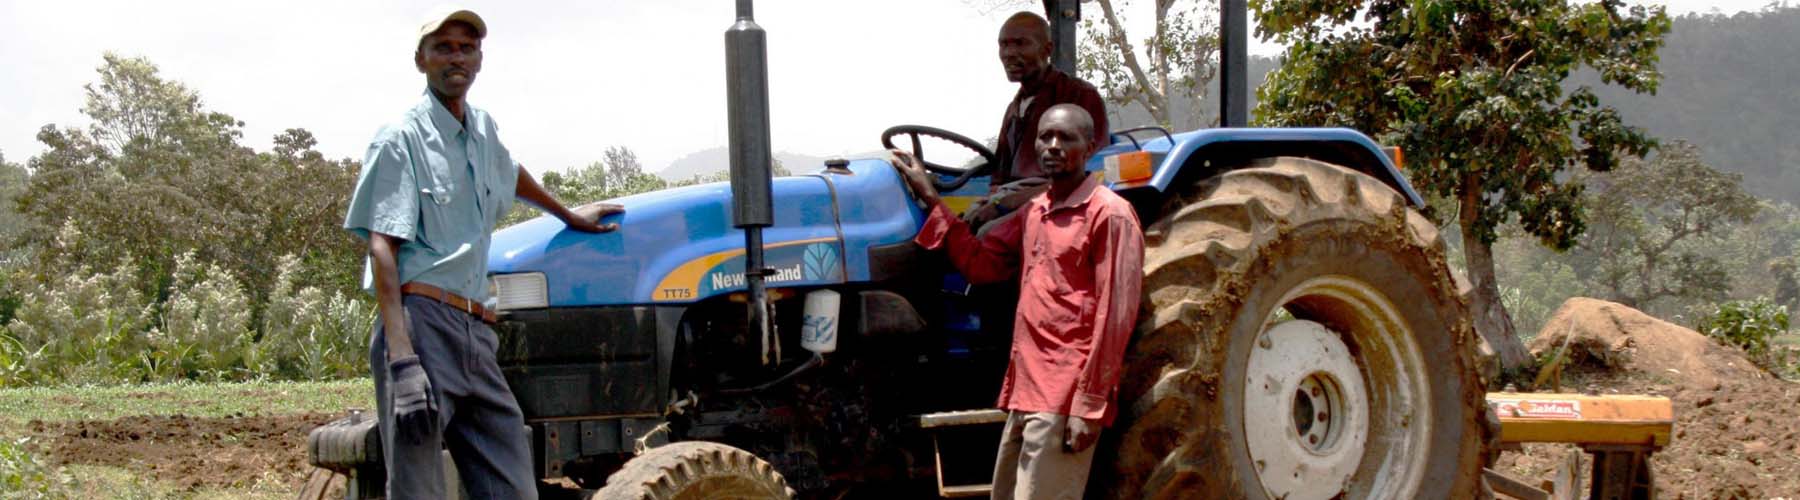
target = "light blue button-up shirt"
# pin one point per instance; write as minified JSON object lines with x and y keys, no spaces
{"x":440,"y":186}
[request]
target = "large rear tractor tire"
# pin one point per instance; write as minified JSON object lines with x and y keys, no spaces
{"x":1302,"y":339}
{"x":696,"y":470}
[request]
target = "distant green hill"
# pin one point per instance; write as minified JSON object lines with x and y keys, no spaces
{"x":1731,"y":84}
{"x":711,"y":161}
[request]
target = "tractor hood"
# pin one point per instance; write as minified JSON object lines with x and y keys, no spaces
{"x":678,"y":245}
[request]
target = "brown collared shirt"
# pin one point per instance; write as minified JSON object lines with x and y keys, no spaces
{"x":1018,"y":131}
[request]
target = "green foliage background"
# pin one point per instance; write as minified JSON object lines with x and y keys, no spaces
{"x":152,"y":245}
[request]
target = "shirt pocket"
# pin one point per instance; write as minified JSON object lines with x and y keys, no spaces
{"x":436,"y":194}
{"x":1066,"y":246}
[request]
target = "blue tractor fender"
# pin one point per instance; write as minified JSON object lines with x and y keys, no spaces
{"x":1182,"y":159}
{"x":678,"y":246}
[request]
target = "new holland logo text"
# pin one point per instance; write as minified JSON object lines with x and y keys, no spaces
{"x":722,"y":281}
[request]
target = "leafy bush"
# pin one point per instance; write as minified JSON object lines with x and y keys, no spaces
{"x":23,"y":475}
{"x":78,"y":326}
{"x":1748,"y":324}
{"x":205,"y":328}
{"x":12,"y":358}
{"x":95,"y":328}
{"x":311,"y":335}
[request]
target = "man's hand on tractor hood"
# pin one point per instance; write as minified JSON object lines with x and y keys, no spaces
{"x":587,"y":217}
{"x":916,"y":176}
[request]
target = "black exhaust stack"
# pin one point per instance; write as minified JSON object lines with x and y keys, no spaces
{"x":1064,"y":16}
{"x":1234,"y":92}
{"x":1234,"y":35}
{"x":747,"y":95}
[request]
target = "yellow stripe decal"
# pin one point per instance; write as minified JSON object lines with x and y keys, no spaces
{"x":960,"y":204}
{"x":683,"y":283}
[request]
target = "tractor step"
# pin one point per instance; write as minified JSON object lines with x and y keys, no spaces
{"x":962,"y":423}
{"x":965,"y":491}
{"x":958,"y":418}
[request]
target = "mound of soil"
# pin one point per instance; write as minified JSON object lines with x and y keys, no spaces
{"x":1737,"y":428}
{"x":1614,"y":337}
{"x":192,"y":453}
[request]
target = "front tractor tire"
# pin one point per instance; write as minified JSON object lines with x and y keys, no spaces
{"x":1303,"y":339}
{"x":696,"y":470}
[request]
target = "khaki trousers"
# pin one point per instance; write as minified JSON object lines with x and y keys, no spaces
{"x":1034,"y":464}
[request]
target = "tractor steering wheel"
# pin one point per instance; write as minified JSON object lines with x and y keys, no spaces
{"x":962,"y":175}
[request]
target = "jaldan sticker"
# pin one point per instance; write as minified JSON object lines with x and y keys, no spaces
{"x":1527,"y":408}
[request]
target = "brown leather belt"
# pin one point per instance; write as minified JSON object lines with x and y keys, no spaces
{"x":450,"y":299}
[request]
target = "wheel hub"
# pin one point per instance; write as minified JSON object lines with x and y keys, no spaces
{"x":1303,"y":370}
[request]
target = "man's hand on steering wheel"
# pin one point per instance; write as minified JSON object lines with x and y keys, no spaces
{"x":960,"y":175}
{"x":916,"y":177}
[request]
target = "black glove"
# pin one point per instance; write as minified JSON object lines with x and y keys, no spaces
{"x":414,"y":414}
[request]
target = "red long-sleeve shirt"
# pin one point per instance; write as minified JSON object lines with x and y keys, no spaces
{"x":1081,"y":260}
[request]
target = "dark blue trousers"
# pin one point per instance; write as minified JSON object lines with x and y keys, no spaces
{"x":478,"y":419}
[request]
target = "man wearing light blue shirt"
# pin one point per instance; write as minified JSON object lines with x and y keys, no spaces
{"x":433,"y":186}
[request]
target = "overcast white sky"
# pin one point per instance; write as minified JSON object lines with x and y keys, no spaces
{"x":563,"y":79}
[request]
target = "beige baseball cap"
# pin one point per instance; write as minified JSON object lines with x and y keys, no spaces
{"x":442,"y":15}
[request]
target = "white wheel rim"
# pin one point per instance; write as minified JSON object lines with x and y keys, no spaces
{"x":1364,"y":428}
{"x":1305,"y":438}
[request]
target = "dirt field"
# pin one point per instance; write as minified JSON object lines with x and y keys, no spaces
{"x":1737,"y":434}
{"x":1737,"y":431}
{"x":191,"y":453}
{"x":242,"y":440}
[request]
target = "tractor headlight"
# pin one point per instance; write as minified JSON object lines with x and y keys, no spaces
{"x":520,"y":291}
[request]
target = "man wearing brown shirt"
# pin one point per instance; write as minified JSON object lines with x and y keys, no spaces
{"x":1025,"y":49}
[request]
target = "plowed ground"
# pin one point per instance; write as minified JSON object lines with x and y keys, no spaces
{"x":191,"y":453}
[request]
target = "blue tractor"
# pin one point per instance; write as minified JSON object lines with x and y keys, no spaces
{"x":1300,"y":336}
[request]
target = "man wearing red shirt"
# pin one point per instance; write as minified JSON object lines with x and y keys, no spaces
{"x":1079,"y":252}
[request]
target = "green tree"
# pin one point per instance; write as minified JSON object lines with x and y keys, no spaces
{"x":1473,"y":93}
{"x":625,"y":175}
{"x":1787,"y":282}
{"x":204,"y":231}
{"x":618,"y":174}
{"x":13,"y":181}
{"x":1178,"y":60}
{"x":132,"y":106}
{"x":592,"y":182}
{"x":1749,"y":249}
{"x":1643,"y":228}
{"x":574,"y":185}
{"x":156,"y":175}
{"x":297,"y":208}
{"x":621,"y":165}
